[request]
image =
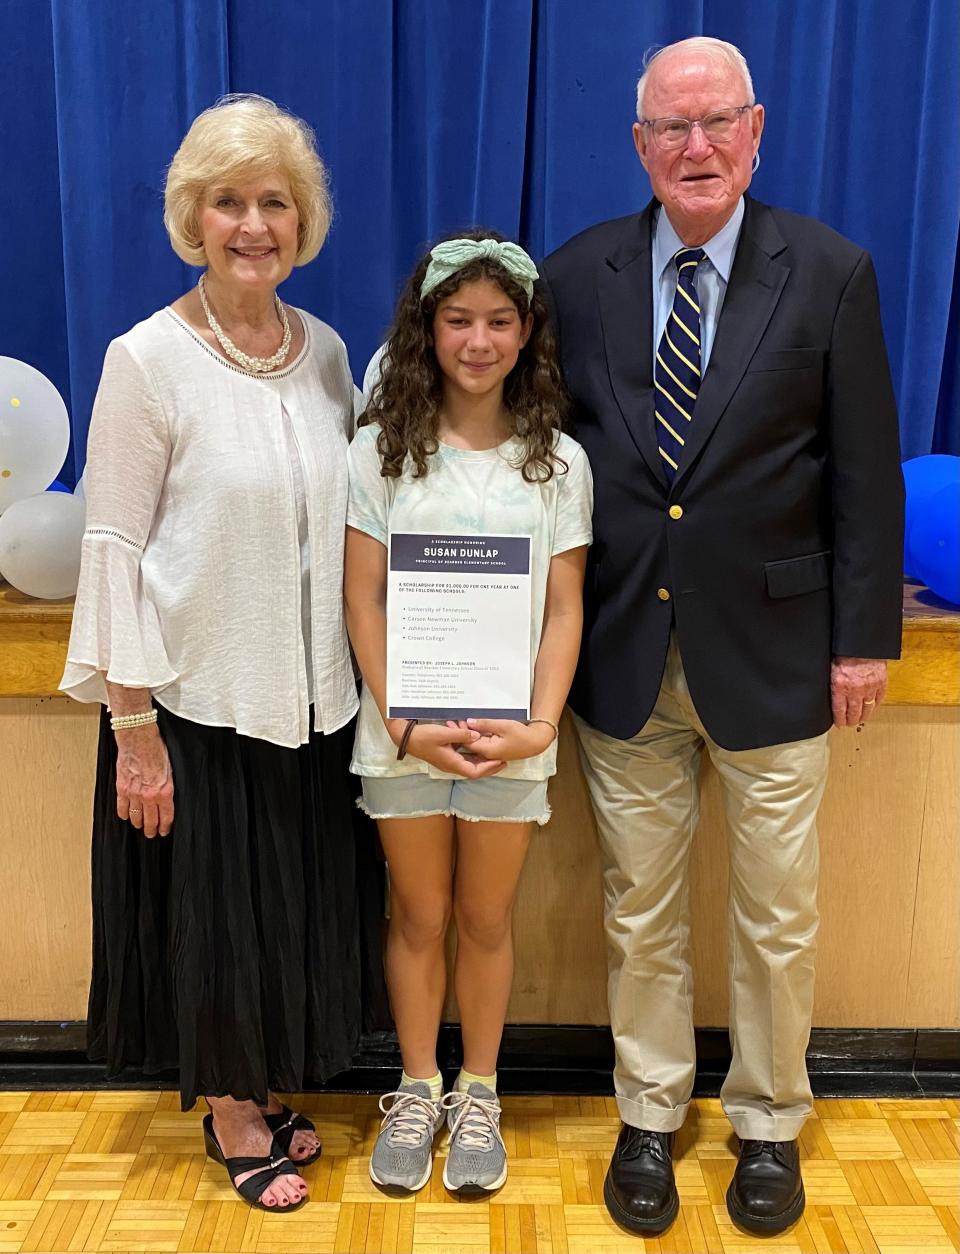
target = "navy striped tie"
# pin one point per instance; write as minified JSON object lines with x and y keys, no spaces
{"x":676,"y":373}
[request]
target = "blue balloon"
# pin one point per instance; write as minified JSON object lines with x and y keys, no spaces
{"x":57,"y":486}
{"x":935,"y":542}
{"x":922,"y":476}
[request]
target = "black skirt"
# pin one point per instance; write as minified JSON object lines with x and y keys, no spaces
{"x":243,"y":948}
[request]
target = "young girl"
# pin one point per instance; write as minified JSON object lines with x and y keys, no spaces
{"x":462,"y":435}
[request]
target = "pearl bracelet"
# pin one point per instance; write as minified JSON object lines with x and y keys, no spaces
{"x":125,"y":721}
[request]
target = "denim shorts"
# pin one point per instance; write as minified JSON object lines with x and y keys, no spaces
{"x":491,"y":800}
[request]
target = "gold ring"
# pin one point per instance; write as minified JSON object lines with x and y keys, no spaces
{"x":872,"y":701}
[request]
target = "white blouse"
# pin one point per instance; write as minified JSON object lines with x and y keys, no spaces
{"x":194,"y":556}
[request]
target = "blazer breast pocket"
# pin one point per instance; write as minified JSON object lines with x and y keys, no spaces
{"x":784,"y":359}
{"x":796,"y":575}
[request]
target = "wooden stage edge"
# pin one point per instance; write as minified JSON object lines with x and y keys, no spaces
{"x":34,"y":635}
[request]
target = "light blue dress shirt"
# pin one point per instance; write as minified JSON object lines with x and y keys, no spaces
{"x":712,"y":276}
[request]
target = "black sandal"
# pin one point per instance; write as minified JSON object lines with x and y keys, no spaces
{"x":253,"y":1188}
{"x":284,"y":1124}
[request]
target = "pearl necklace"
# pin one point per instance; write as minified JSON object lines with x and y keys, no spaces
{"x":254,"y":365}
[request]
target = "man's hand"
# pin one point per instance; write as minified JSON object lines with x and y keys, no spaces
{"x":857,"y":686}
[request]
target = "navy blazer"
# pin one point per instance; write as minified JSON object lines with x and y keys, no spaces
{"x":786,"y":548}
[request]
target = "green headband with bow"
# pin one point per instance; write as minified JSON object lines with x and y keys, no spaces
{"x":453,"y":254}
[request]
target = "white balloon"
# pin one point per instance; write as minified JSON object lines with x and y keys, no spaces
{"x":40,"y":540}
{"x":34,"y":431}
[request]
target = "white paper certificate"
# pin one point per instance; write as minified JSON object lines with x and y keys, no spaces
{"x":458,"y":626}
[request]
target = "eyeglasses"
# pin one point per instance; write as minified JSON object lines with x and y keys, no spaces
{"x":719,"y":127}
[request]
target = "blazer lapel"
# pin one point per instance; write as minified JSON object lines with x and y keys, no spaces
{"x":626,"y":316}
{"x":756,"y":283}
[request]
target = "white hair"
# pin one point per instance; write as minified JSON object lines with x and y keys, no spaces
{"x":715,"y":49}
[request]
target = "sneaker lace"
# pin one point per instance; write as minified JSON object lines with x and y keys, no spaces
{"x":476,"y":1124}
{"x":409,"y":1116}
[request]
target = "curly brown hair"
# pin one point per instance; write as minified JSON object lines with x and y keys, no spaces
{"x":407,"y":399}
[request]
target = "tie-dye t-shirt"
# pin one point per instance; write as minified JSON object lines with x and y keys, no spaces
{"x":473,"y":493}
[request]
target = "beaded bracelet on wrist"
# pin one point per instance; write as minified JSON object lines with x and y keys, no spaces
{"x":123,"y":722}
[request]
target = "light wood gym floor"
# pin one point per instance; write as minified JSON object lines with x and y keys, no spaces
{"x":125,"y":1172}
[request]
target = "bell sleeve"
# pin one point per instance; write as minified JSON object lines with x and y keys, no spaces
{"x":116,"y":632}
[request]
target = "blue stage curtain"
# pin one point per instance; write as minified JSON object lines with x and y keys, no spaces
{"x":434,"y":115}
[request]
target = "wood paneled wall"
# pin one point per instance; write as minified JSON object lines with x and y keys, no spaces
{"x":890,"y":936}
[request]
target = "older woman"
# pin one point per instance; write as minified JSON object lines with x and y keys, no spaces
{"x":209,"y":620}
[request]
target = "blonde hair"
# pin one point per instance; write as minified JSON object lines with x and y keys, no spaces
{"x":715,"y":49}
{"x":239,"y":138}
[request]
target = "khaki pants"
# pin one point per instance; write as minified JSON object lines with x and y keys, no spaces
{"x":645,"y":794}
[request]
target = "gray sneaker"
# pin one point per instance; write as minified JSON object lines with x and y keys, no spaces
{"x":403,"y":1155}
{"x":477,"y":1162}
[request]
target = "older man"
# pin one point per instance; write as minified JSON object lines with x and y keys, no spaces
{"x":731,"y":386}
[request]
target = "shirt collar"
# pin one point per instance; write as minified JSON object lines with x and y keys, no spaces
{"x":719,"y":249}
